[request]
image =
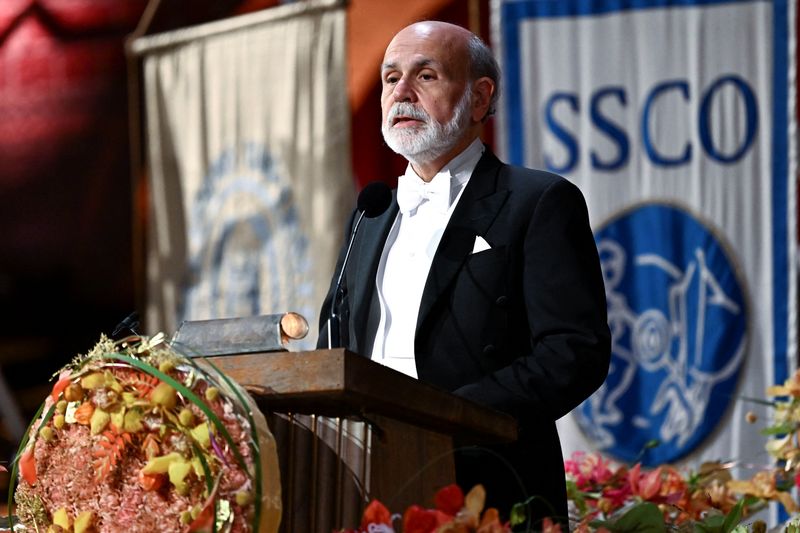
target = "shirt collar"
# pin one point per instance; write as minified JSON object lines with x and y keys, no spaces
{"x":458,"y":170}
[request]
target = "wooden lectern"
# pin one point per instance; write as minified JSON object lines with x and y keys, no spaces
{"x":316,"y":402}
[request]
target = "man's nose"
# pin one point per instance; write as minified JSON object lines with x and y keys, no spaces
{"x":404,"y":92}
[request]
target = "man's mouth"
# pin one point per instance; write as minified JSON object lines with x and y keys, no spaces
{"x":402,"y":121}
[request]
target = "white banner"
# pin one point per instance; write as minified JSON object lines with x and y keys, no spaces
{"x":248,"y":139}
{"x":676,"y":119}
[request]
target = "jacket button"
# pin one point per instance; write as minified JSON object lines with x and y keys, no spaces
{"x":501,"y":301}
{"x":489,"y":349}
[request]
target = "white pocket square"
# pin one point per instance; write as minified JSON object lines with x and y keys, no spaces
{"x":480,"y":245}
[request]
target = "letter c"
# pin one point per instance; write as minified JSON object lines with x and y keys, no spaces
{"x":652,"y":153}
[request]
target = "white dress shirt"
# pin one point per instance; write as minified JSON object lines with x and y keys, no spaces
{"x":408,"y":254}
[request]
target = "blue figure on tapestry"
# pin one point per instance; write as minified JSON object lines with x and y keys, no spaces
{"x":678,"y":320}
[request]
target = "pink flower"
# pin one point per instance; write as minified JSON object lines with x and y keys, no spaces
{"x":646,"y":486}
{"x":617,"y":496}
{"x":549,"y":527}
{"x":588,"y":469}
{"x":571,"y":466}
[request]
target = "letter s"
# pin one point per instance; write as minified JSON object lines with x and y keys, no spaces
{"x":569,"y":141}
{"x":612,"y":130}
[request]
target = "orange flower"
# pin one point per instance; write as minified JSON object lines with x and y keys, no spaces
{"x":150,"y":446}
{"x":376,"y":513}
{"x":490,"y":523}
{"x":62,"y":383}
{"x":674,"y":488}
{"x":83,"y":414}
{"x":204,"y":521}
{"x":151,"y":481}
{"x":27,"y":466}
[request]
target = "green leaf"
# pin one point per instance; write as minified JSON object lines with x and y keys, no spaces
{"x":575,"y":494}
{"x":649,"y":445}
{"x":720,"y":523}
{"x":781,"y":429}
{"x":597,"y":524}
{"x":734,"y":517}
{"x":712,"y":524}
{"x":518,"y":514}
{"x":643,"y":517}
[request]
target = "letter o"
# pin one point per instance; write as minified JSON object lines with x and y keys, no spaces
{"x":751,"y":108}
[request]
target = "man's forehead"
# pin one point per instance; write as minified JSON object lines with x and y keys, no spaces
{"x":416,"y":62}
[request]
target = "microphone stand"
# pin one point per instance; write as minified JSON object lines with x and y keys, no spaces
{"x":334,"y":322}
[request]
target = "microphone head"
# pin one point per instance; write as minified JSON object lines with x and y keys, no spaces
{"x":374,"y":199}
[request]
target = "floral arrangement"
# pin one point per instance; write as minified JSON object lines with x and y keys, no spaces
{"x":783,"y":444}
{"x":453,"y":512}
{"x":135,"y":437}
{"x":607,"y":497}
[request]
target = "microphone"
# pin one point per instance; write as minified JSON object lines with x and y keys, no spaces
{"x":373,"y":201}
{"x":130,"y":322}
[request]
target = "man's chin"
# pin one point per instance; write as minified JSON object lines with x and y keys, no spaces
{"x":412,"y":154}
{"x":400,"y":146}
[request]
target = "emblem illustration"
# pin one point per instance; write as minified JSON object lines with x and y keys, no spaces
{"x":678,"y":323}
{"x":247,"y":252}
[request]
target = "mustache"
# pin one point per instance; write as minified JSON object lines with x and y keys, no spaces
{"x":406,"y":109}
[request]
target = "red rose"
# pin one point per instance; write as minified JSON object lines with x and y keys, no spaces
{"x":449,"y":499}
{"x":419,"y":520}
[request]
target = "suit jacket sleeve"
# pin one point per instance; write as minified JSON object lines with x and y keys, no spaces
{"x":563,"y":304}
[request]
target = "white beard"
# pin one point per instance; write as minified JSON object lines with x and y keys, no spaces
{"x":431,"y":140}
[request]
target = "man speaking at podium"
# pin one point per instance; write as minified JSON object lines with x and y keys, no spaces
{"x":480,"y":278}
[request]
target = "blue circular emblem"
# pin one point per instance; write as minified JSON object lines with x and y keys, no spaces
{"x":678,"y":323}
{"x":247,"y":251}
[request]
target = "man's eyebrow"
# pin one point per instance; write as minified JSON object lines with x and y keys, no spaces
{"x":421,"y":63}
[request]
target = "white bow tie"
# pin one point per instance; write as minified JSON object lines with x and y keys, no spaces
{"x":412,"y":192}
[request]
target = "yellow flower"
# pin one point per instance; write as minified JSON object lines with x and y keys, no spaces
{"x":777,"y":447}
{"x":763,"y":485}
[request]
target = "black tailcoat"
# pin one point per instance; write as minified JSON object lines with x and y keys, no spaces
{"x":520,"y":327}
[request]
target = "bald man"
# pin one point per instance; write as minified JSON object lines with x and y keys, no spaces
{"x":481,"y":278}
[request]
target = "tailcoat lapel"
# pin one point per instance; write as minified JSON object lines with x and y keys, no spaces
{"x":476,"y":211}
{"x":361,"y":280}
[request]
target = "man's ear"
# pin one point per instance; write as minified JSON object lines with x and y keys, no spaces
{"x":482,"y":91}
